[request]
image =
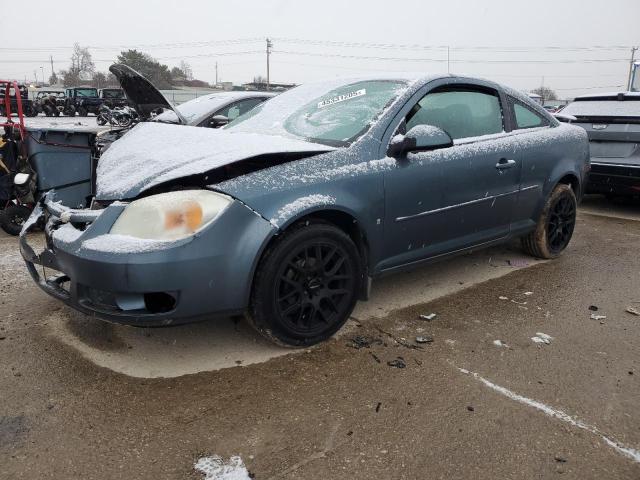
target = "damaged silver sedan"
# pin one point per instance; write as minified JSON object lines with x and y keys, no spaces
{"x":289,"y":212}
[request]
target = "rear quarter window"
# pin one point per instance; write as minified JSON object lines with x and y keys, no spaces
{"x":525,"y":117}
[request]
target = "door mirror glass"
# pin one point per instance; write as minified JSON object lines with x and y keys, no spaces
{"x":218,"y":121}
{"x":420,"y":138}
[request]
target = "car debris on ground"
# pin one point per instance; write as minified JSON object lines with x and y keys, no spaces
{"x":397,"y":363}
{"x":361,"y":341}
{"x":633,"y":311}
{"x":424,"y":339}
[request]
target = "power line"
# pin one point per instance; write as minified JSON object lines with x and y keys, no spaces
{"x":238,"y":41}
{"x":509,"y":48}
{"x":455,"y":60}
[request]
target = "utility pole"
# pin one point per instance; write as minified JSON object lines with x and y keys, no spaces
{"x":52,"y":71}
{"x":42,"y":71}
{"x":448,"y":59}
{"x":633,"y":59}
{"x":216,"y":74}
{"x":269,"y":46}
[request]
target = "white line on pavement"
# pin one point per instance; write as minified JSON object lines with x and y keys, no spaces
{"x":559,"y":414}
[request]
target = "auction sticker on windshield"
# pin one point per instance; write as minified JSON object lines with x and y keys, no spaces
{"x":342,"y":98}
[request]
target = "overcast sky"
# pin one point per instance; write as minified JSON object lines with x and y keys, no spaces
{"x":578,"y":46}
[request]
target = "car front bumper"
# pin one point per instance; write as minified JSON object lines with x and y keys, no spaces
{"x":203,"y":276}
{"x":614,"y":178}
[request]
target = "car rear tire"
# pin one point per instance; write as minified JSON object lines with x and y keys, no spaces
{"x":13,"y":218}
{"x":555,"y":225}
{"x":306,"y":285}
{"x":83,"y":112}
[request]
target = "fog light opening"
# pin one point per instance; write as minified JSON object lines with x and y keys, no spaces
{"x":159,"y":302}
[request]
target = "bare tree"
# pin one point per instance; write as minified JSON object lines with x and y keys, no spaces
{"x":259,"y":79}
{"x":546,"y":93}
{"x":81,"y":68}
{"x":186,"y":69}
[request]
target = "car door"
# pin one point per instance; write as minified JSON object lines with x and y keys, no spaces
{"x":453,"y":198}
{"x":528,"y":125}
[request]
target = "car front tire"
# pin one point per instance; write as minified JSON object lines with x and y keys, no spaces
{"x":306,"y":285}
{"x":555,"y":225}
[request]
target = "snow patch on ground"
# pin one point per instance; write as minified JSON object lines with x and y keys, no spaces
{"x":559,"y":414}
{"x":215,"y":468}
{"x":542,"y":338}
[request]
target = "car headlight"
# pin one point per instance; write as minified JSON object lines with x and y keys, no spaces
{"x":170,"y":216}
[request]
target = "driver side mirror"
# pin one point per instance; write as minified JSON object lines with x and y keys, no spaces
{"x":420,"y":138}
{"x":218,"y":121}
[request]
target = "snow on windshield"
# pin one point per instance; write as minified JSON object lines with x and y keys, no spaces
{"x":603,"y":108}
{"x":334,"y":113}
{"x":194,"y":109}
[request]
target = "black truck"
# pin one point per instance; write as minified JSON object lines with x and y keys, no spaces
{"x":82,"y":100}
{"x":113,"y":97}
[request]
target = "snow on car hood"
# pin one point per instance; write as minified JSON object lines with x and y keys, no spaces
{"x":155,"y":153}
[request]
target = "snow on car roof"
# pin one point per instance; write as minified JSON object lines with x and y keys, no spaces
{"x":195,"y":109}
{"x":612,"y":95}
{"x":602,"y":108}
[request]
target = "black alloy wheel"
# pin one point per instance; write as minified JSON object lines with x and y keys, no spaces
{"x":306,"y":285}
{"x":313,"y":287}
{"x":562,"y":220}
{"x":555,"y":224}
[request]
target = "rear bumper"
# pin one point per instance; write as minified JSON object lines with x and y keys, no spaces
{"x":614,"y":178}
{"x":204,"y":276}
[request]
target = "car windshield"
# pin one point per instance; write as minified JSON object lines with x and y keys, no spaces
{"x":112,"y":94}
{"x":194,"y":109}
{"x":86,"y":92}
{"x":331,"y":113}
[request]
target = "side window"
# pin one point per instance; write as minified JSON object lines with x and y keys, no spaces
{"x":462,"y":113}
{"x":527,"y":118}
{"x":234,"y":110}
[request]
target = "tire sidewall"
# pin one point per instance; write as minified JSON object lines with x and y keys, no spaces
{"x":541,"y":236}
{"x":7,"y":225}
{"x":262,"y":311}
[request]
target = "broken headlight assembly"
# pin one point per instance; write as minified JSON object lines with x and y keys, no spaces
{"x":170,"y":216}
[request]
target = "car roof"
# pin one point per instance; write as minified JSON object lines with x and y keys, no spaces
{"x":609,"y":96}
{"x":198,"y":109}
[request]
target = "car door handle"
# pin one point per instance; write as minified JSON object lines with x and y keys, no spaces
{"x":503,"y":164}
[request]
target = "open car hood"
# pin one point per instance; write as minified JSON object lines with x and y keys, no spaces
{"x":141,"y":92}
{"x":155,"y":153}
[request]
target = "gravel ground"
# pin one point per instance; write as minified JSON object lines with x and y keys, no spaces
{"x":482,"y":400}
